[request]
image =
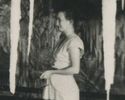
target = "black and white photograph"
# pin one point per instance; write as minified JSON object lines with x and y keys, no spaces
{"x":62,"y":49}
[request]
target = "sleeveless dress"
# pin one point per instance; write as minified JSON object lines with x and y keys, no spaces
{"x":63,"y":87}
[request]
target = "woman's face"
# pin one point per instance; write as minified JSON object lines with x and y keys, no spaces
{"x":62,"y":22}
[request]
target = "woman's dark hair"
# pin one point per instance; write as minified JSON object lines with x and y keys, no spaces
{"x":68,"y":14}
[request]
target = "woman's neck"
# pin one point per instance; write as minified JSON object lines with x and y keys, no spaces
{"x":70,"y":33}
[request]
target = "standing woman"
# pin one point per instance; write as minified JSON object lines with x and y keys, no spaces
{"x":61,"y":84}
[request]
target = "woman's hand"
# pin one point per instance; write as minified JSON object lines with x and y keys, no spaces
{"x":46,"y":74}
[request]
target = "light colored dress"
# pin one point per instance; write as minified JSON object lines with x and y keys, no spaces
{"x":63,"y":87}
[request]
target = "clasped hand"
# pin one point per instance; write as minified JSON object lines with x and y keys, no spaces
{"x":46,"y":74}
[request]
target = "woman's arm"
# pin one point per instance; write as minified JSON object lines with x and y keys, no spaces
{"x":75,"y":62}
{"x":73,"y":69}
